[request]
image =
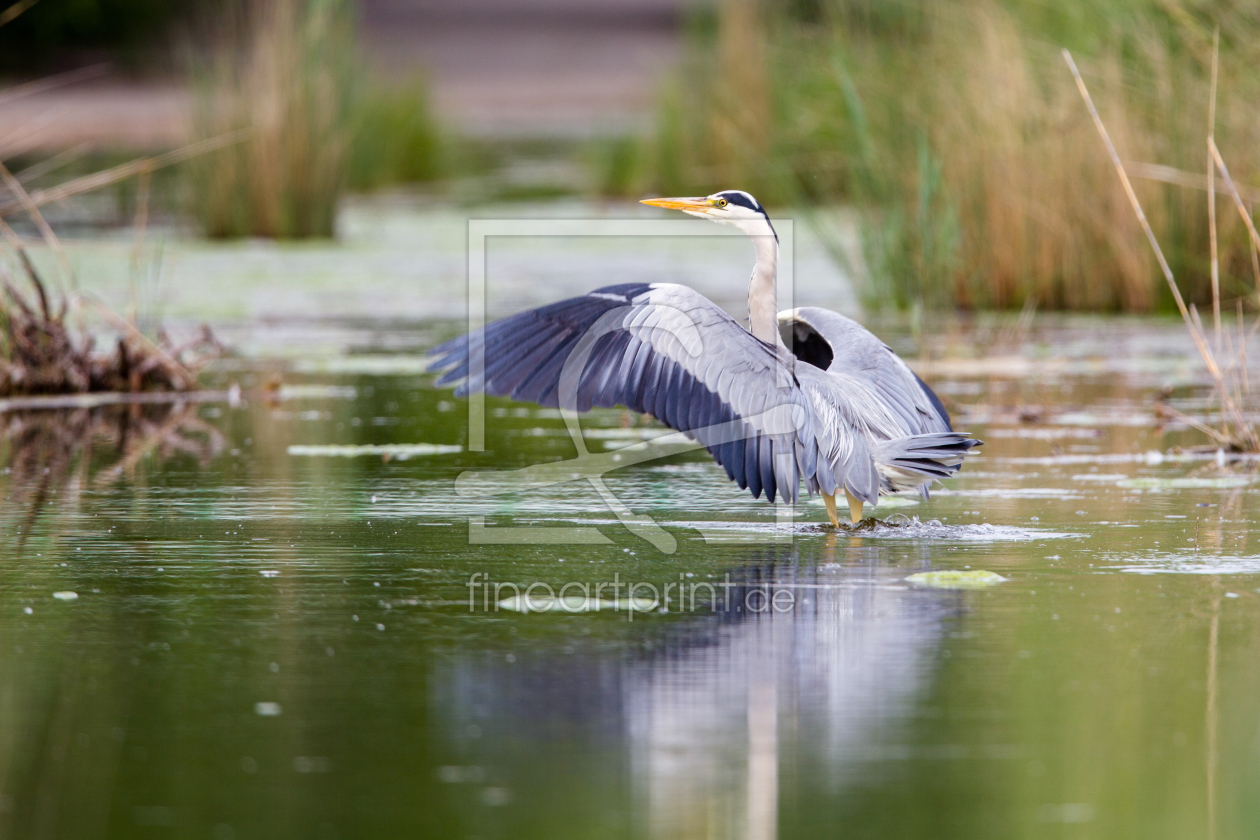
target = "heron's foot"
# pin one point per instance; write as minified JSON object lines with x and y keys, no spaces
{"x":855,"y":507}
{"x":830,"y":502}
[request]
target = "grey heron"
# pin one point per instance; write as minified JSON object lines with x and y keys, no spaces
{"x":840,"y":410}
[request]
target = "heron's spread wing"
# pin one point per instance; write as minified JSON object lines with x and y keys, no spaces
{"x":842,"y":346}
{"x":664,"y":350}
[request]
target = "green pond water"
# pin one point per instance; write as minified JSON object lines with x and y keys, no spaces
{"x":213,"y":626}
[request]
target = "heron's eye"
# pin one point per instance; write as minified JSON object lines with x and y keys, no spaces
{"x":721,"y":202}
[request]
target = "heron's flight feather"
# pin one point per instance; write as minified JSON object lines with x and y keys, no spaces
{"x":661,"y":349}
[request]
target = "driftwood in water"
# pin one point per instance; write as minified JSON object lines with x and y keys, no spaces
{"x":40,"y":354}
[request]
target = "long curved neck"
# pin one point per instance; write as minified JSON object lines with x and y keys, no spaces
{"x":763,"y":315}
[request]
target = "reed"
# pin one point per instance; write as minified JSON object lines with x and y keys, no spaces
{"x":1235,"y":428}
{"x":286,"y":72}
{"x":283,"y":73}
{"x":950,"y":126}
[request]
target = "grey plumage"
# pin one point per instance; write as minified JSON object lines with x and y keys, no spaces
{"x":858,"y":352}
{"x":661,"y":349}
{"x":869,"y":386}
{"x":771,"y":419}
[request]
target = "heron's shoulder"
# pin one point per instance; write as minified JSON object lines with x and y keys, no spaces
{"x":830,"y":325}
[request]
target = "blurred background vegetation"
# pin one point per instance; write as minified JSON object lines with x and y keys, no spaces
{"x":955,"y":129}
{"x":950,"y":129}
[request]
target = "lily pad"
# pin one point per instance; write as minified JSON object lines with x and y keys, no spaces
{"x":956,"y":579}
{"x":366,"y":365}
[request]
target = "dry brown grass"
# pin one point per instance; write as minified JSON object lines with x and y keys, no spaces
{"x":1041,"y":216}
{"x":40,"y":353}
{"x":1234,"y":428}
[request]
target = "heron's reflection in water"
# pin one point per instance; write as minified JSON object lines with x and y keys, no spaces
{"x":711,"y":714}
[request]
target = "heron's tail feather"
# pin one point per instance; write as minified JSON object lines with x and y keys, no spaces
{"x":914,"y":462}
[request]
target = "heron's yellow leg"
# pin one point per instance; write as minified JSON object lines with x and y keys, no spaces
{"x":830,"y":501}
{"x":855,"y":507}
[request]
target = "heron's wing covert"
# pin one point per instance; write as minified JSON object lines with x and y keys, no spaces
{"x":857,"y":352}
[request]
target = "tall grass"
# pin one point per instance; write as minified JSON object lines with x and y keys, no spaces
{"x":395,"y":137}
{"x":284,"y":73}
{"x":951,"y":125}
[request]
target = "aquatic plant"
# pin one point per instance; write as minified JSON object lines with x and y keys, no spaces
{"x":40,"y":353}
{"x":287,"y":72}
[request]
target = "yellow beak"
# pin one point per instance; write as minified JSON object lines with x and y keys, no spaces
{"x":693,"y":204}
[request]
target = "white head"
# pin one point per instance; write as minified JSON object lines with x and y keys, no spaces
{"x":740,"y":210}
{"x":729,"y":207}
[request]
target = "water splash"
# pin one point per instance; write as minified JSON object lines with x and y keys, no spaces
{"x":901,"y":527}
